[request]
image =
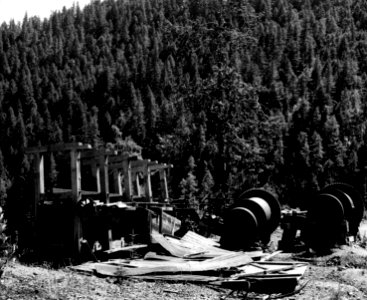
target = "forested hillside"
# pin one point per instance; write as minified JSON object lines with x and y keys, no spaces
{"x":235,"y":94}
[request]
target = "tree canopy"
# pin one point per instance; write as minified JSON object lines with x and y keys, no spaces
{"x":256,"y":93}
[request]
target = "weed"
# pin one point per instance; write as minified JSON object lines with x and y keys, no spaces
{"x":7,"y":249}
{"x":337,"y":295}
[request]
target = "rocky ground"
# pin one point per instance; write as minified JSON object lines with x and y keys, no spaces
{"x":339,"y":275}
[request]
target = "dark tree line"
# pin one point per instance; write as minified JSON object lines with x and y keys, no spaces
{"x":236,"y":94}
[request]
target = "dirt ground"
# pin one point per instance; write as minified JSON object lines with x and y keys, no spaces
{"x":340,"y":275}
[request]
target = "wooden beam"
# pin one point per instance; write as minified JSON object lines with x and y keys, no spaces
{"x":127,"y":179}
{"x":117,"y":162}
{"x":153,"y":166}
{"x":121,"y":157}
{"x":39,"y":181}
{"x":117,"y":181}
{"x":103,"y":165}
{"x":75,"y":175}
{"x":94,"y":154}
{"x":148,"y":184}
{"x":137,"y":182}
{"x":58,"y":148}
{"x":160,"y":167}
{"x":41,"y":163}
{"x":140,"y":162}
{"x":97,"y":173}
{"x":163,"y":183}
{"x":76,"y":196}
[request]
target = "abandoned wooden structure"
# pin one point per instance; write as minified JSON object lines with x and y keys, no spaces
{"x":109,"y":197}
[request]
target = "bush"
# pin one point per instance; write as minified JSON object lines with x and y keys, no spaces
{"x":7,"y":249}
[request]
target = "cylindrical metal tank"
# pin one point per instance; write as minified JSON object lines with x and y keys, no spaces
{"x":252,"y":218}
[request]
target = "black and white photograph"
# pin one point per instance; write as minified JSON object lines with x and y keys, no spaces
{"x":183,"y":149}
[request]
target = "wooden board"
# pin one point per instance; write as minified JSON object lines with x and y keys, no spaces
{"x":154,"y":256}
{"x":225,"y":261}
{"x":169,"y":225}
{"x":271,"y":270}
{"x":194,"y":238}
{"x":187,"y":278}
{"x":126,"y":249}
{"x":186,"y":248}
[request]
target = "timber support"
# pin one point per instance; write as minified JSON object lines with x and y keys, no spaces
{"x":119,"y":184}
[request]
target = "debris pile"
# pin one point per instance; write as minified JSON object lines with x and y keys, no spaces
{"x":196,"y":259}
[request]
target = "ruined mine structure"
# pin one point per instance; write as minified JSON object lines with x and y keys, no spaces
{"x":106,"y":197}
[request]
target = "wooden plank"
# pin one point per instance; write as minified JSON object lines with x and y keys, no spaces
{"x":75,"y":175}
{"x":76,"y":196}
{"x":127,"y":249}
{"x":234,"y":259}
{"x":187,"y":278}
{"x":39,"y":182}
{"x":127,"y":179}
{"x":97,"y":172}
{"x":41,"y":162}
{"x":117,"y":181}
{"x":198,"y":239}
{"x":148,"y":184}
{"x":271,"y":255}
{"x":196,"y":249}
{"x":103,"y":165}
{"x":210,"y":254}
{"x":182,"y":248}
{"x":165,"y":223}
{"x":139,"y":163}
{"x":254,"y":269}
{"x":171,"y":248}
{"x":163,"y":184}
{"x":154,"y":256}
{"x":58,"y":148}
{"x":94,"y":154}
{"x":120,"y":158}
{"x":158,"y":166}
{"x":137,"y":184}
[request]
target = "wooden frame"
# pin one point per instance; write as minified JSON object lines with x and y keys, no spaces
{"x":123,"y":167}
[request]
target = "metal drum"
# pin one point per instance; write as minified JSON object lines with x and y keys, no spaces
{"x":334,"y":214}
{"x":352,"y":203}
{"x":252,"y":218}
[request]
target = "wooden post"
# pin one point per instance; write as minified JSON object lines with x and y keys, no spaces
{"x":103,"y":166}
{"x":39,"y":181}
{"x":164,"y":186}
{"x":161,"y":220}
{"x":97,"y":173}
{"x":127,"y":178}
{"x":41,"y":163}
{"x":148,"y":184}
{"x":76,"y":196}
{"x":137,"y":183}
{"x":105,"y":188}
{"x":117,"y":179}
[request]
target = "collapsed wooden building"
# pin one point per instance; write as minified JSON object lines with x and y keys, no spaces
{"x":102,"y":198}
{"x":106,"y":197}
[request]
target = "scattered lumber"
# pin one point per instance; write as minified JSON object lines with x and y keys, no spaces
{"x":197,"y":259}
{"x":144,"y":267}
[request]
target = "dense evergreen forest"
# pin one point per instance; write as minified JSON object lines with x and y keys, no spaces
{"x":236,"y":94}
